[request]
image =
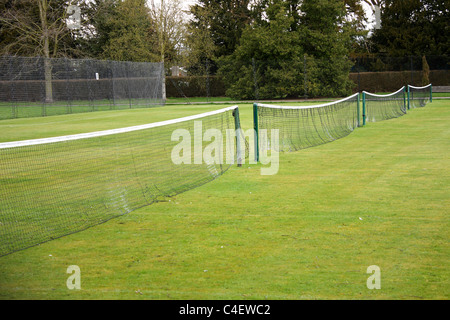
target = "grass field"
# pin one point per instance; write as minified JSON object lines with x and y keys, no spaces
{"x":376,"y":197}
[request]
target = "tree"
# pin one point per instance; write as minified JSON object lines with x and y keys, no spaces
{"x":413,"y":27}
{"x":268,"y":63}
{"x":220,"y":24}
{"x":328,"y":39}
{"x":99,"y":14}
{"x":291,"y":49}
{"x":131,"y":32}
{"x":35,"y":28}
{"x":198,"y":48}
{"x":425,"y":71}
{"x":170,"y":29}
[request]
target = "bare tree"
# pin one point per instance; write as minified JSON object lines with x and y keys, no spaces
{"x":170,"y":28}
{"x":35,"y":28}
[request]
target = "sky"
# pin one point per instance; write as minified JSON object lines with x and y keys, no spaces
{"x":185,"y":3}
{"x":369,"y":14}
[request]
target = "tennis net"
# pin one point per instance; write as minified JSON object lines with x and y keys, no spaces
{"x":53,"y":187}
{"x":301,"y":127}
{"x":378,"y":107}
{"x":419,"y":96}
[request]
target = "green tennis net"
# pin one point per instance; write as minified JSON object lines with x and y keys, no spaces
{"x":57,"y":186}
{"x":419,"y":96}
{"x":380,"y":107}
{"x":302,"y":127}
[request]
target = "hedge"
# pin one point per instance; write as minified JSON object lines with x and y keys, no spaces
{"x":387,"y":81}
{"x":390,"y":81}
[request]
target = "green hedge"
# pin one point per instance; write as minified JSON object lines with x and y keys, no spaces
{"x":387,"y":81}
{"x":194,"y":86}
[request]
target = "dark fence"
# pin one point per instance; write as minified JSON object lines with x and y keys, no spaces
{"x":33,"y":86}
{"x":195,"y":86}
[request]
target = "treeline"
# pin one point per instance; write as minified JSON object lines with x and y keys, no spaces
{"x":268,"y":48}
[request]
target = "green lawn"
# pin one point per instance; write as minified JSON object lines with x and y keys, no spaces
{"x":376,"y":197}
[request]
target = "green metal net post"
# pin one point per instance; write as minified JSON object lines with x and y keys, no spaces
{"x":255,"y":127}
{"x":404,"y":98}
{"x":364,"y":108}
{"x":431,"y":93}
{"x":409,"y":97}
{"x":358,"y":123}
{"x":237,"y":126}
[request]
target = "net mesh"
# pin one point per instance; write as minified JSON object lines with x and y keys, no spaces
{"x":56,"y":186}
{"x":303,"y":127}
{"x":418,"y":96}
{"x":35,"y":86}
{"x":383,"y":107}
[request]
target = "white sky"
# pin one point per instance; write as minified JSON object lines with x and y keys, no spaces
{"x":185,"y":3}
{"x":370,"y":15}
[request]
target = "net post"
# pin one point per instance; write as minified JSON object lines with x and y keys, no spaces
{"x":358,"y":124}
{"x":364,"y":108}
{"x":237,"y":126}
{"x":409,"y":97}
{"x":406,"y":106}
{"x":255,"y":127}
{"x":431,"y":92}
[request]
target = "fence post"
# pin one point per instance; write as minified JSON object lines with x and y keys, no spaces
{"x":412,"y":69}
{"x":68,"y":93}
{"x":113,"y":75}
{"x":14,"y":106}
{"x":207,"y":80}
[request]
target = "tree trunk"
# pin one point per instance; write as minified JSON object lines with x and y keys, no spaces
{"x":43,"y":6}
{"x":161,"y":39}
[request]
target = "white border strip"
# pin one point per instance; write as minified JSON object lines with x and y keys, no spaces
{"x":306,"y":107}
{"x":384,"y":95}
{"x":424,"y":87}
{"x":23,"y":143}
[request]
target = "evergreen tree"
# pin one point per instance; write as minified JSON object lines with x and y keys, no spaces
{"x":327,"y":39}
{"x":291,"y":46}
{"x":268,"y":63}
{"x":215,"y":29}
{"x":425,"y":71}
{"x":413,"y":27}
{"x":131,"y":35}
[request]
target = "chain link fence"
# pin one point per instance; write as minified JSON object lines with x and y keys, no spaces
{"x":36,"y":86}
